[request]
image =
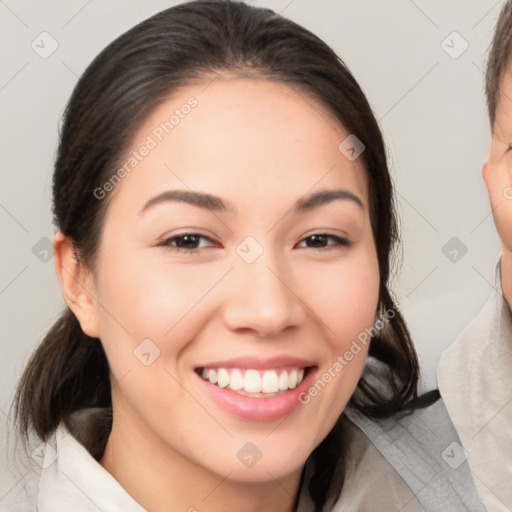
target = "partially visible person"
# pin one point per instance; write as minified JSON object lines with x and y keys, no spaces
{"x":475,"y":373}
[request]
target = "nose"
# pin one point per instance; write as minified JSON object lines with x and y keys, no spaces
{"x":263,"y":300}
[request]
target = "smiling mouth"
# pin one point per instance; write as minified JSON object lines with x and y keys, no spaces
{"x":255,"y":383}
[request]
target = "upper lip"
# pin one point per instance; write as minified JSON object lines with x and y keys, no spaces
{"x":260,"y":363}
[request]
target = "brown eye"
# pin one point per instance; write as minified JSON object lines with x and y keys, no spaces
{"x":188,"y":242}
{"x":321,"y":241}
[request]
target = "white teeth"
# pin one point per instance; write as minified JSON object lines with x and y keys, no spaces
{"x":283,"y":380}
{"x":269,"y":382}
{"x":292,"y":379}
{"x":222,"y":378}
{"x":237,"y":380}
{"x":254,"y":381}
{"x":212,"y":376}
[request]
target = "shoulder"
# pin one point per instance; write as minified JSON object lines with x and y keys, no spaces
{"x":423,"y":448}
{"x":475,"y":373}
{"x":475,"y":381}
{"x":479,"y":362}
{"x":22,"y":497}
{"x":69,"y":476}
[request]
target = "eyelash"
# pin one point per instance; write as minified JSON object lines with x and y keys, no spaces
{"x":167,"y":241}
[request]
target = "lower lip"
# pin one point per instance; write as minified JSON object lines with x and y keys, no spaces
{"x":258,"y":409}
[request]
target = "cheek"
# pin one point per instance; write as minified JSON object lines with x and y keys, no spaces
{"x":153,"y":300}
{"x":346,"y":299}
{"x":345,"y":295}
{"x":150,"y":293}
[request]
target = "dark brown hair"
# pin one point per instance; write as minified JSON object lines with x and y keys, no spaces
{"x":499,"y":59}
{"x":185,"y":44}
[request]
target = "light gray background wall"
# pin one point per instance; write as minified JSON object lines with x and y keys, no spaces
{"x":429,"y":103}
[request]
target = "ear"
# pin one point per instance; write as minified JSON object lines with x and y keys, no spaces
{"x":492,"y":156}
{"x":76,"y":284}
{"x":485,"y":172}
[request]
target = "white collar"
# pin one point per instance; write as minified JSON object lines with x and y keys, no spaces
{"x":72,"y":479}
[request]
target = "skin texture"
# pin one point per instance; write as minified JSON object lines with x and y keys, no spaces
{"x":261,"y":146}
{"x":497,"y":175}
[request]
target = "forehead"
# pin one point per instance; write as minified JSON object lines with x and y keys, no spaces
{"x":262,"y":137}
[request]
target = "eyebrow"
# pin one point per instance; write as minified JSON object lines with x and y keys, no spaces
{"x":216,"y":204}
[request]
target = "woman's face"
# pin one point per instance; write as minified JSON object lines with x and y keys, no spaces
{"x":220,"y":267}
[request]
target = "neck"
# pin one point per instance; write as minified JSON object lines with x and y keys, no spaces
{"x":160,"y":479}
